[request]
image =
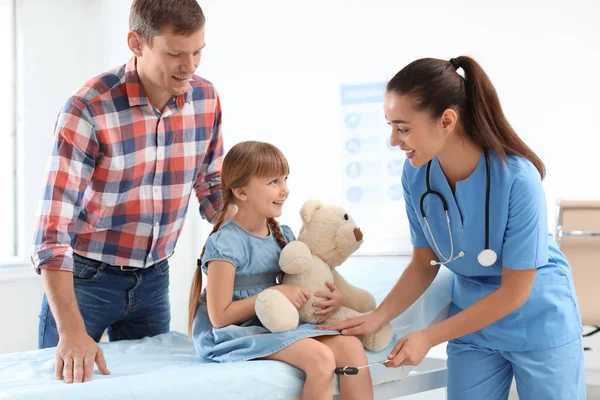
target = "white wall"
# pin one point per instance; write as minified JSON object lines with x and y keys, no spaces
{"x":283,"y":64}
{"x":7,"y":127}
{"x":278,"y":67}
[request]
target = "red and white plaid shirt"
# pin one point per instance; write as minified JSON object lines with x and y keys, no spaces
{"x":121,"y":173}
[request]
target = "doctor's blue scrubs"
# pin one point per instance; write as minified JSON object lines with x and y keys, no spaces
{"x":540,"y":343}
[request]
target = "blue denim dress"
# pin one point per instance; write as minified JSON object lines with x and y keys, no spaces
{"x":256,"y":260}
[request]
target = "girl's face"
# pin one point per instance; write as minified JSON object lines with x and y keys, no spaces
{"x":421,"y":137}
{"x":266,"y":195}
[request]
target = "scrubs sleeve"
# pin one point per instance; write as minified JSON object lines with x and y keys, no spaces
{"x":526,"y":236}
{"x":417,"y":236}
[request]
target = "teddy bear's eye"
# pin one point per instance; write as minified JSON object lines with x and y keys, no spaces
{"x":346,"y":217}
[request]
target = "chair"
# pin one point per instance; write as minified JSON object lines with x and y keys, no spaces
{"x":578,"y":237}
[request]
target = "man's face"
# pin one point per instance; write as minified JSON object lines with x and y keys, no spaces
{"x":170,"y":59}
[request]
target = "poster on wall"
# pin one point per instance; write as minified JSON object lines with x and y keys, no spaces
{"x":372,"y":172}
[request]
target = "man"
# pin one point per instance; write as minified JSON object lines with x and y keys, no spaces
{"x":130,"y":147}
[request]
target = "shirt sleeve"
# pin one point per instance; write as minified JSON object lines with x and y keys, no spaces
{"x":208,"y":182}
{"x":221,"y":246}
{"x":69,"y":171}
{"x":417,"y":236}
{"x":526,"y":236}
{"x":288,"y":234}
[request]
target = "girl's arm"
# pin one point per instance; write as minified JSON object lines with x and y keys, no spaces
{"x":511,"y":295}
{"x":222,"y":310}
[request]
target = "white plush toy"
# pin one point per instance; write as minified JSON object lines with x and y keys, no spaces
{"x":327,"y":238}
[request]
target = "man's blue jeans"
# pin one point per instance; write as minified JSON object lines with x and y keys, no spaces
{"x":129,"y":304}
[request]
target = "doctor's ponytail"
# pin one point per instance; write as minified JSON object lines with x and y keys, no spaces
{"x":436,"y":86}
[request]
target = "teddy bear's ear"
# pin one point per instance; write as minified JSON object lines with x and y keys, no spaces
{"x":308,"y":210}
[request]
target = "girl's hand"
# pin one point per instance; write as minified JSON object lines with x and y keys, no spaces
{"x":332,"y":304}
{"x":410,"y":350}
{"x":295,"y":294}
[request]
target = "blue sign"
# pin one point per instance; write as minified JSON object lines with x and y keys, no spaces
{"x":365,"y":93}
{"x":352,"y":121}
{"x":354,"y":194}
{"x":353,"y":169}
{"x":353,"y":145}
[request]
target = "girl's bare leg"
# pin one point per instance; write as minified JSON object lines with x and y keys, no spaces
{"x":317,"y":362}
{"x":348,"y":351}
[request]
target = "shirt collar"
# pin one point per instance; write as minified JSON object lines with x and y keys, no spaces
{"x":135,"y":90}
{"x":133,"y":85}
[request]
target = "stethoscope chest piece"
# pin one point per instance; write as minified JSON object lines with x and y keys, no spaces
{"x":487,"y":258}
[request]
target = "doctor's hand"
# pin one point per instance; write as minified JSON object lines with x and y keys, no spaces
{"x":334,"y":301}
{"x":410,"y":350}
{"x":362,"y":325}
{"x":75,"y":357}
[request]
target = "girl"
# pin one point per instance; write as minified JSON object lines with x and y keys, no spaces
{"x":241,"y":259}
{"x":475,"y":201}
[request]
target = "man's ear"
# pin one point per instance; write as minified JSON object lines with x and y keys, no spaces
{"x":134,"y":41}
{"x":240,"y":193}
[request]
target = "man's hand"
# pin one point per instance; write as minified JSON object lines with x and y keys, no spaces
{"x":76,"y":352}
{"x":75,"y":357}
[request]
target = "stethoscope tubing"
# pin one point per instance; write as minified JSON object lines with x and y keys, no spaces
{"x":487,"y":252}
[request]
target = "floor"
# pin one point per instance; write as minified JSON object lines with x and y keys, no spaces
{"x":592,"y":371}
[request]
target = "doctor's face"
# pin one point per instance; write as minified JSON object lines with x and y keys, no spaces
{"x":415,"y":132}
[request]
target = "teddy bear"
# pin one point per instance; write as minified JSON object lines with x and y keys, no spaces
{"x":328,"y":236}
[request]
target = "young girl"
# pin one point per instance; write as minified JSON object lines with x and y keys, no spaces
{"x":241,"y":259}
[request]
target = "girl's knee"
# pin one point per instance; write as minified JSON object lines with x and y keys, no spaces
{"x":321,"y":361}
{"x":349,"y":345}
{"x":348,"y":349}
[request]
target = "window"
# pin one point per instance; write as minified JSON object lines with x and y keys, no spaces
{"x":8,"y":235}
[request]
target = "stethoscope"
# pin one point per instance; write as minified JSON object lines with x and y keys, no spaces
{"x":486,"y":257}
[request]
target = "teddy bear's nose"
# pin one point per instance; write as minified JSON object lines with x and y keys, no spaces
{"x":358,"y":234}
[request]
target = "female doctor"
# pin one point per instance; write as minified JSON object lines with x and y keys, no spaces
{"x":475,"y":203}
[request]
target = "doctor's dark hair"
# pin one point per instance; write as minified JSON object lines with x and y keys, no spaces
{"x":243,"y":161}
{"x":435,"y":86}
{"x":149,"y":17}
